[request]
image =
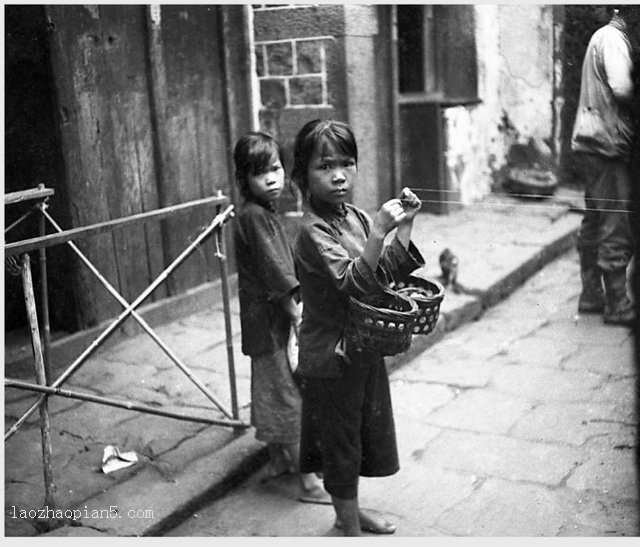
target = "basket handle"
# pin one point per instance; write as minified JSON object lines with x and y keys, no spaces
{"x":386,"y":279}
{"x":383,"y":277}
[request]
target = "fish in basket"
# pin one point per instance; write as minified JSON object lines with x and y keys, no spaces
{"x":381,"y":323}
{"x":428,"y":295}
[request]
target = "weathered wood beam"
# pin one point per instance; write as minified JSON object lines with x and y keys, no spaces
{"x":27,"y":195}
{"x":50,"y":240}
{"x":128,"y":405}
{"x":45,"y":422}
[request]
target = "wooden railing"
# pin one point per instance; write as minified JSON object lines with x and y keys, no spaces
{"x":41,"y":346}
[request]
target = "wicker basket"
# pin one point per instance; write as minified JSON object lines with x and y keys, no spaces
{"x":381,"y":323}
{"x":428,"y":296}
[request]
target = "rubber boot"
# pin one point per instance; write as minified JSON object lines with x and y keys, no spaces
{"x":592,"y":296}
{"x":619,"y":309}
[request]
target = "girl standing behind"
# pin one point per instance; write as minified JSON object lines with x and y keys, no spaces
{"x":347,"y":421}
{"x":268,"y":294}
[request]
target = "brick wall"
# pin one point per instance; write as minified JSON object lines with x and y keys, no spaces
{"x":299,"y":55}
{"x":293,"y":73}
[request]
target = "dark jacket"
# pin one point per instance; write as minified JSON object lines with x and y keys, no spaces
{"x":266,"y":274}
{"x":330,"y":269}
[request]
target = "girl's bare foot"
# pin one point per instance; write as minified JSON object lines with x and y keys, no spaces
{"x":375,"y":524}
{"x":312,"y":490}
{"x":279,"y":463}
{"x":372,"y":524}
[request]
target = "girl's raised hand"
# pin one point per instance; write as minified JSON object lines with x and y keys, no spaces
{"x":410,"y":203}
{"x":389,"y":216}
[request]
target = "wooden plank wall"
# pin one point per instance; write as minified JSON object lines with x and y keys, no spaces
{"x":189,"y":110}
{"x":143,"y":106}
{"x":86,"y":135}
{"x":138,"y":251}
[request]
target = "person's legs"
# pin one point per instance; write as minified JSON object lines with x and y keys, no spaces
{"x":378,"y":432}
{"x":279,"y":463}
{"x":330,"y":437}
{"x":347,"y":515}
{"x":379,"y":454}
{"x":275,"y":410}
{"x":311,"y":489}
{"x":332,"y":440}
{"x":351,"y":519}
{"x":591,"y":298}
{"x":616,"y":244}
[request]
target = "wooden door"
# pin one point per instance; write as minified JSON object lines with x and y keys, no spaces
{"x":143,"y":98}
{"x":421,"y":153}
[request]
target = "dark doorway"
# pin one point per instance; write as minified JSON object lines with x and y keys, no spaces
{"x":436,"y":60}
{"x":33,"y":156}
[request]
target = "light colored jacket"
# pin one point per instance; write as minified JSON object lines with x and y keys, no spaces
{"x":603,"y":121}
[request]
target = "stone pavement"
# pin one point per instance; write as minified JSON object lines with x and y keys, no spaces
{"x":520,"y":424}
{"x":500,"y":243}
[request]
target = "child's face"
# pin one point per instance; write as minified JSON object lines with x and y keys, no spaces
{"x":268,"y":186}
{"x":330,"y":174}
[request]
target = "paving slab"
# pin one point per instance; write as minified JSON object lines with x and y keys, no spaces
{"x":569,"y":423}
{"x":601,"y":360}
{"x":459,"y":374}
{"x":416,"y":404}
{"x":539,"y":384}
{"x":481,"y":410}
{"x":503,"y":509}
{"x":426,"y":495}
{"x":501,"y":457}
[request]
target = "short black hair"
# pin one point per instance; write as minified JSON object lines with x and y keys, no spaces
{"x":334,"y":132}
{"x":251,"y":157}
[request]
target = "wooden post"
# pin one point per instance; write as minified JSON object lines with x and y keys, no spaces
{"x":220,"y":253}
{"x":45,"y":428}
{"x":44,"y":297}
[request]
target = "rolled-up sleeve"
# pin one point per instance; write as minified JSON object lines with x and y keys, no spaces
{"x":399,"y":262}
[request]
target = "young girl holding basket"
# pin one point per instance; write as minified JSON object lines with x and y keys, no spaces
{"x":347,"y":420}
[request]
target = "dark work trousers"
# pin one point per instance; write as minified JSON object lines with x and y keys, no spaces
{"x":347,"y":426}
{"x":605,"y":234}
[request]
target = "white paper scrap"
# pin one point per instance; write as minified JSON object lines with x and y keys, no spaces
{"x":113,"y":459}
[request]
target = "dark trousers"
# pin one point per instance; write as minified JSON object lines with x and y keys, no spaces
{"x":605,"y":237}
{"x":347,"y":426}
